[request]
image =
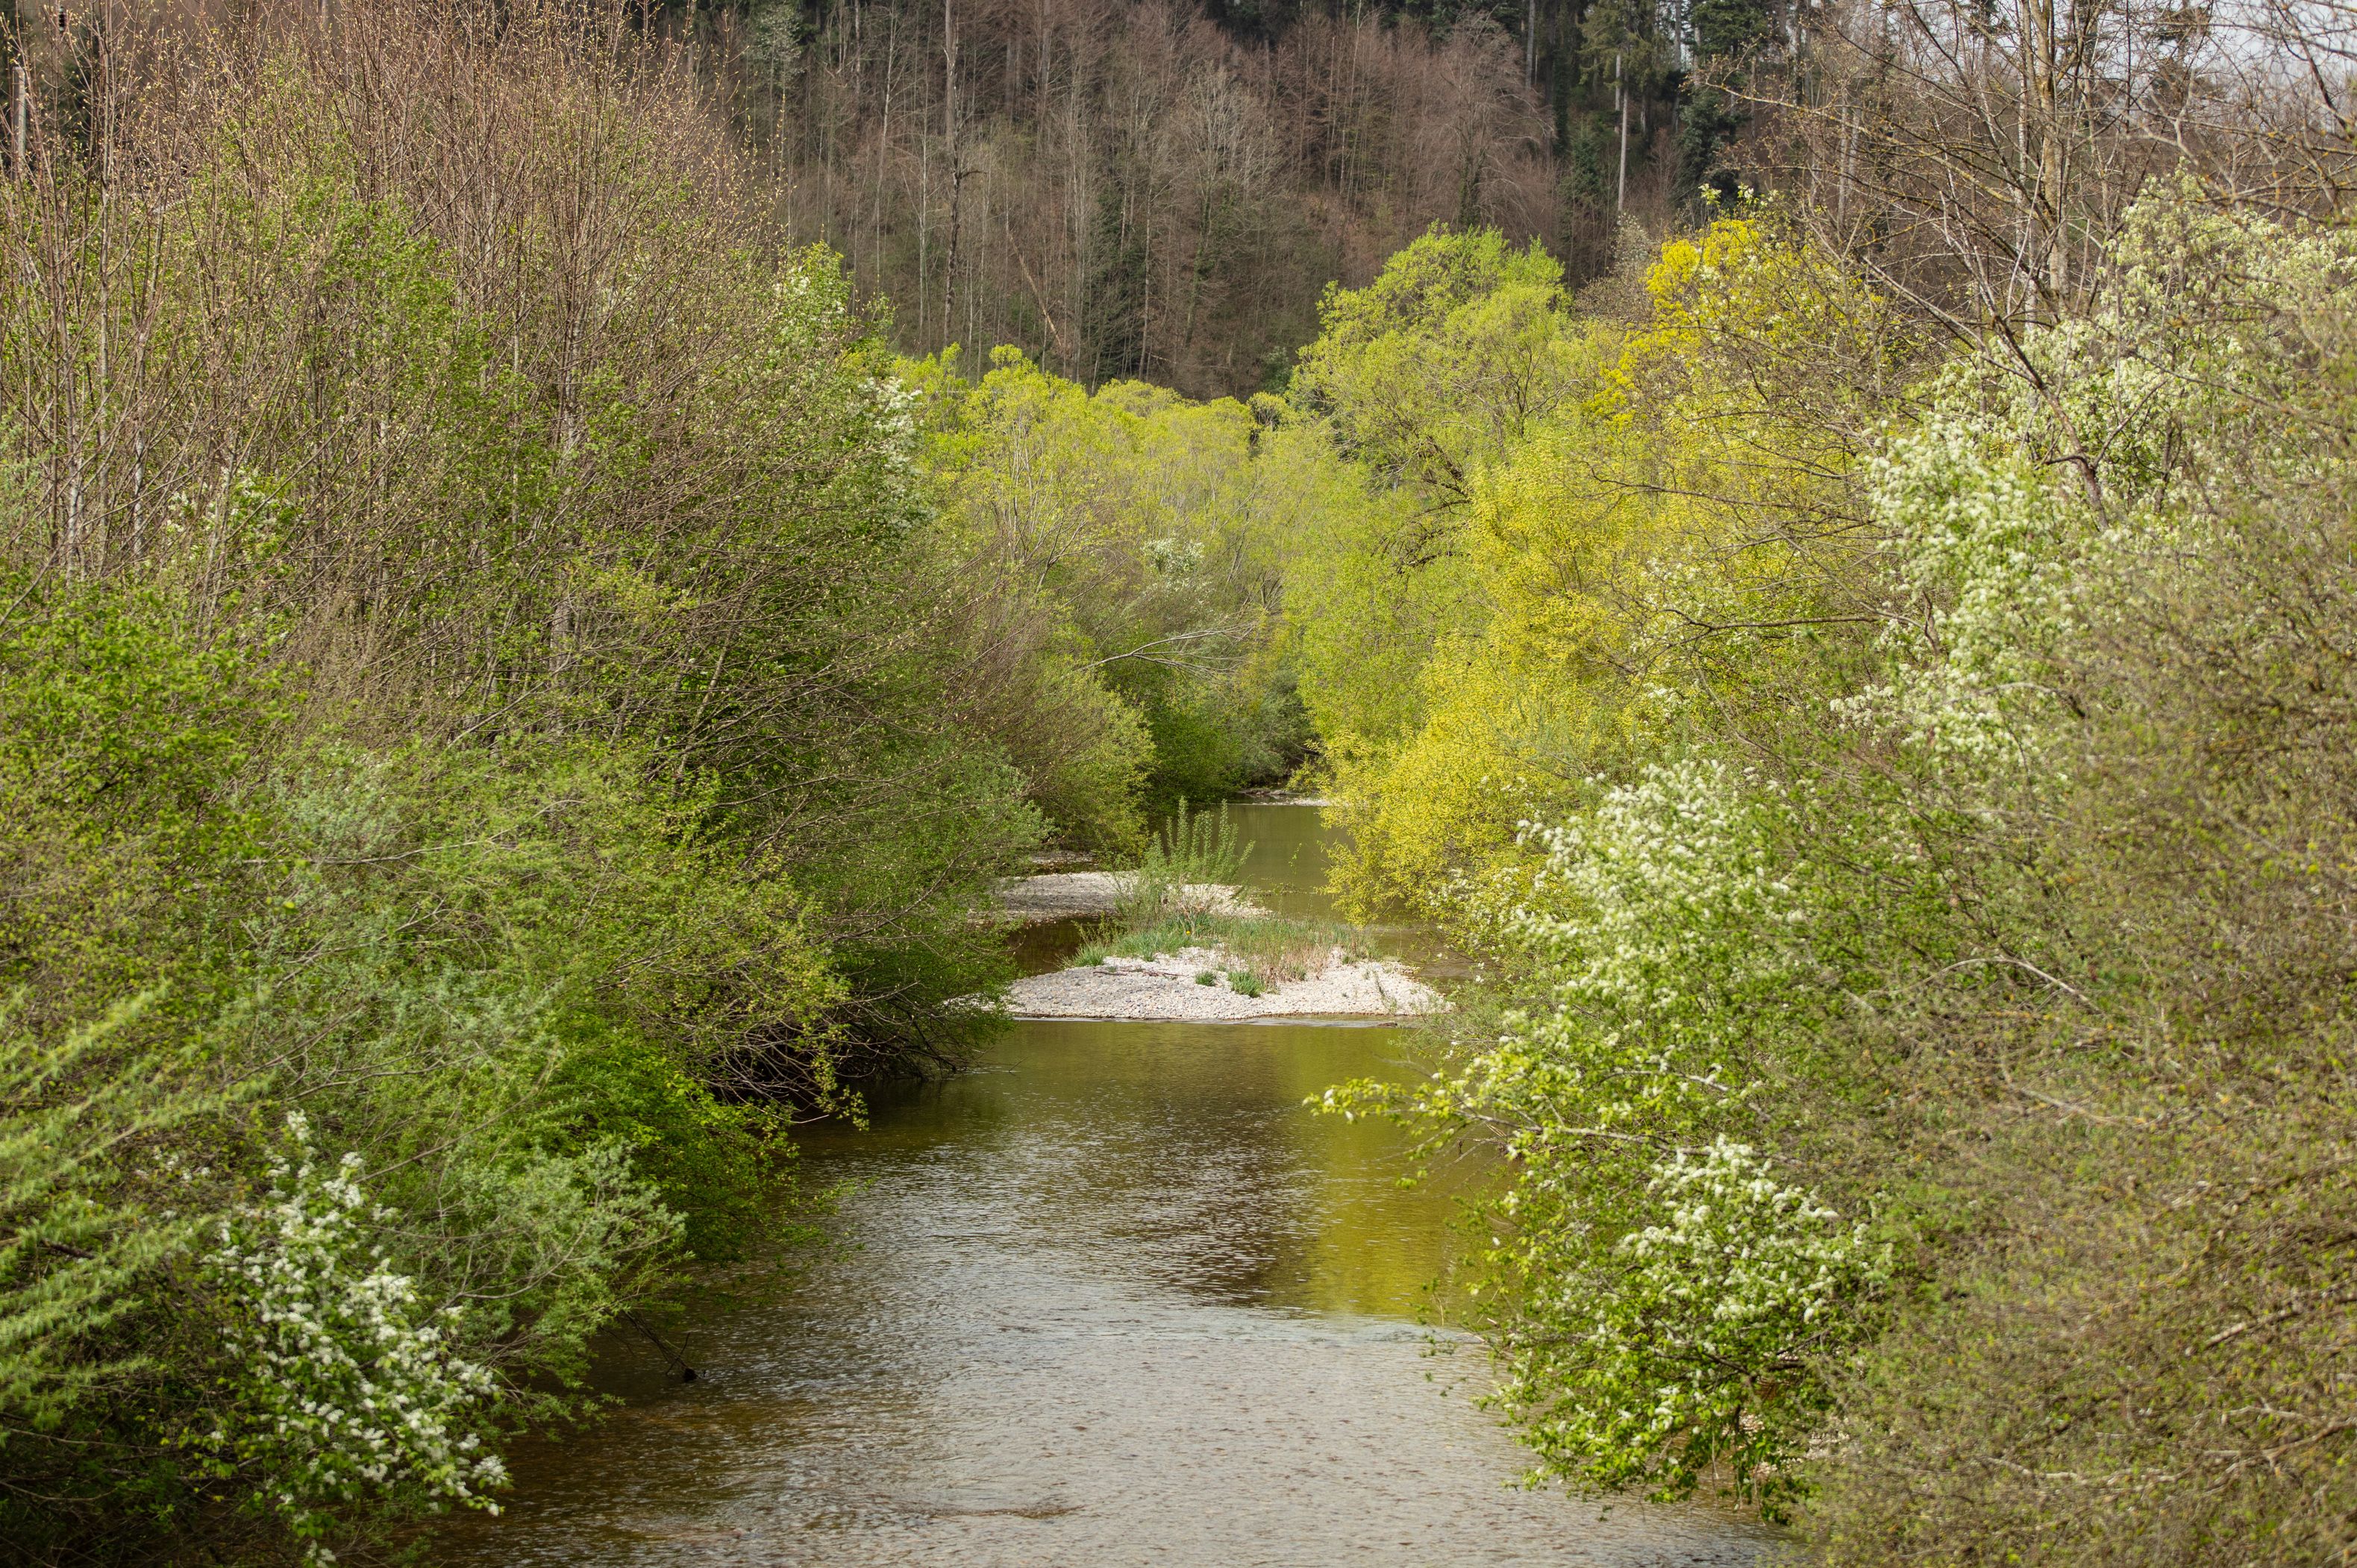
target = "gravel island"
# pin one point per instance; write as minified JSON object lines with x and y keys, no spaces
{"x":1166,"y":989}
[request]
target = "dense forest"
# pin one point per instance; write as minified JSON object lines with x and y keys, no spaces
{"x":550,"y":554}
{"x":1160,"y":192}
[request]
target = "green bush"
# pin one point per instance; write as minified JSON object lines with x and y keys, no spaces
{"x":1194,"y":850}
{"x":531,"y":775}
{"x":1913,"y":876}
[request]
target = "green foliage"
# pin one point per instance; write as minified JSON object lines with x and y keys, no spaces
{"x":500,"y":717}
{"x":572,"y":955}
{"x":440,"y":958}
{"x":1893,"y":791}
{"x":98,"y":1196}
{"x":1456,"y":350}
{"x":2117,"y":701}
{"x":1564,"y":802}
{"x":1186,"y":861}
{"x":1704,"y":1351}
{"x":1118,"y":570}
{"x":120,"y":747}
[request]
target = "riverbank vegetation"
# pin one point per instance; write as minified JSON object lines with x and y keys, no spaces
{"x":503,"y":713}
{"x":1185,"y":895}
{"x":1270,"y":949}
{"x":1117,"y":556}
{"x":1881,"y":715}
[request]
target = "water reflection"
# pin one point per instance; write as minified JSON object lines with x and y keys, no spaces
{"x":1179,"y":1153}
{"x":1115,"y":1298}
{"x":1287,"y":866}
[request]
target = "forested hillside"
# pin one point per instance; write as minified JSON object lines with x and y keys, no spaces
{"x":1161,"y":190}
{"x":1134,"y":191}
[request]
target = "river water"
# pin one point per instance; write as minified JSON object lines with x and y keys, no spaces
{"x":1113,"y":1298}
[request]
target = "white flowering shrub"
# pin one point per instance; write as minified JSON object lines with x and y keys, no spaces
{"x":1662,"y":927}
{"x":2019,"y":519}
{"x":1979,"y":539}
{"x":345,"y":1389}
{"x":1696,"y":1343}
{"x":1657,"y":1300}
{"x":1746,"y":1268}
{"x":1655,"y":915}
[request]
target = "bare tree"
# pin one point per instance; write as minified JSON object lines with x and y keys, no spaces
{"x":1976,"y":156}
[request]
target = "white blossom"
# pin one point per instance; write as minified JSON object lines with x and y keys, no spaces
{"x":345,"y":1386}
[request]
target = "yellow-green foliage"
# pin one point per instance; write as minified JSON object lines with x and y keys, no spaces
{"x":1592,"y":532}
{"x":1119,"y":571}
{"x":1923,"y":1009}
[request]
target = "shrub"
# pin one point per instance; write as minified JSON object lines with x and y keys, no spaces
{"x":1186,"y":861}
{"x":342,"y":1383}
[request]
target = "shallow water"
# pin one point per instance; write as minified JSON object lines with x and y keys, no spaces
{"x":1115,"y":1298}
{"x":1285,"y":858}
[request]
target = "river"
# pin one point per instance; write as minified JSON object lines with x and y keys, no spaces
{"x":1113,"y":1298}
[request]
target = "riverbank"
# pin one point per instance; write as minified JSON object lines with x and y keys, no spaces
{"x":1200,"y":984}
{"x":1208,"y":953}
{"x":1080,"y":895}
